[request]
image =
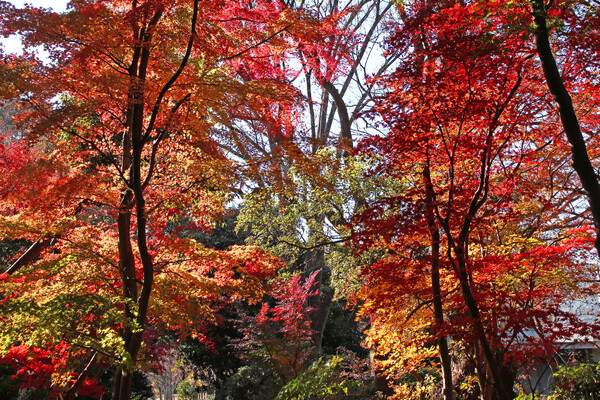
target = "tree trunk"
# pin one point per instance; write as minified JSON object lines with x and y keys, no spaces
{"x":321,"y":302}
{"x":489,"y":361}
{"x":486,"y":382}
{"x":442,"y":341}
{"x":122,"y":379}
{"x":570,"y":122}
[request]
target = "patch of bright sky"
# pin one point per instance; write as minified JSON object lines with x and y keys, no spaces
{"x":12,"y":44}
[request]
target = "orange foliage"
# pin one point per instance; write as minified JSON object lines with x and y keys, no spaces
{"x":124,"y":124}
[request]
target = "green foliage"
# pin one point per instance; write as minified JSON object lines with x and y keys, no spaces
{"x":524,"y":396}
{"x":251,"y":383}
{"x":64,"y":316}
{"x":141,"y":388}
{"x":216,"y":359}
{"x":323,"y":380}
{"x":187,"y":391}
{"x":577,"y":382}
{"x":221,"y":237}
{"x":314,"y":209}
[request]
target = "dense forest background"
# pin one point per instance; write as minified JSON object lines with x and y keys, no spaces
{"x":283,"y":199}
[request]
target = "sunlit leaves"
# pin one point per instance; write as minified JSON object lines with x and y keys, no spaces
{"x":121,"y":154}
{"x":313,"y":209}
{"x":469,"y":136}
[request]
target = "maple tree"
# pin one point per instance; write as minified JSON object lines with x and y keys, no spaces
{"x":468,"y":261}
{"x":123,"y":121}
{"x":279,"y":336}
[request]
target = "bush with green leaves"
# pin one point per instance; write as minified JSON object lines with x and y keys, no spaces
{"x":577,"y":382}
{"x":250,"y":382}
{"x":324,"y":380}
{"x":187,"y":390}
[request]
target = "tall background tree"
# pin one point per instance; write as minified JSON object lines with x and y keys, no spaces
{"x":306,"y":182}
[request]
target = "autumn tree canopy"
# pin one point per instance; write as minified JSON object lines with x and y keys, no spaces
{"x":472,"y":239}
{"x":429,"y":163}
{"x":123,"y":121}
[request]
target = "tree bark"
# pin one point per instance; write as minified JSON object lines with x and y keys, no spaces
{"x":581,"y":160}
{"x":321,"y":302}
{"x":438,"y":310}
{"x":133,"y":144}
{"x":482,"y":342}
{"x":345,"y":142}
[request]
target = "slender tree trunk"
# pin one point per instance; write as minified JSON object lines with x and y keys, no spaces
{"x":133,"y":195}
{"x":482,"y":342}
{"x":442,"y":341}
{"x":568,"y":117}
{"x":127,"y":269}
